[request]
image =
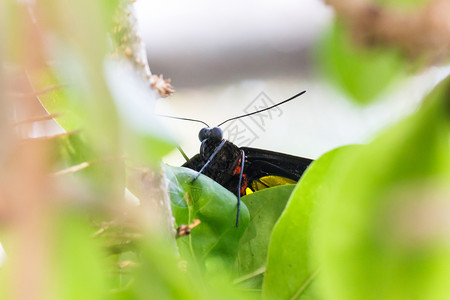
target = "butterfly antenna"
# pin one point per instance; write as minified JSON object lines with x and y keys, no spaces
{"x":239,"y":187}
{"x":184,"y":119}
{"x":258,"y":111}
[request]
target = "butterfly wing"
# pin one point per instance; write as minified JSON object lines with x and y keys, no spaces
{"x":262,"y":168}
{"x":265,"y":169}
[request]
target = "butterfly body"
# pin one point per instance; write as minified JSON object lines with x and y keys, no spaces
{"x":243,"y":170}
{"x":262,"y":168}
{"x":222,"y":168}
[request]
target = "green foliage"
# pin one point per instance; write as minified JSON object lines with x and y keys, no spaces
{"x":158,"y":276}
{"x":377,"y":240}
{"x":265,"y":208}
{"x":61,"y":100}
{"x":79,"y":264}
{"x":12,"y":32}
{"x":144,"y":139}
{"x":403,"y":3}
{"x":290,"y":271}
{"x":214,"y":243}
{"x":359,"y":72}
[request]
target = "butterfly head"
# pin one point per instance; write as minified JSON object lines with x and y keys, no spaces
{"x":210,"y":138}
{"x":214,"y":134}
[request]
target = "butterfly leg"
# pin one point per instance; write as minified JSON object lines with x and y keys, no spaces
{"x":239,"y":187}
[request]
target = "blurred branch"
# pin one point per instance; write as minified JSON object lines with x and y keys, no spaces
{"x":152,"y":191}
{"x":54,"y":136}
{"x":422,"y":32}
{"x":73,"y":169}
{"x":119,"y":235}
{"x":128,"y":45}
{"x":149,"y":186}
{"x":37,"y":119}
{"x":86,"y":164}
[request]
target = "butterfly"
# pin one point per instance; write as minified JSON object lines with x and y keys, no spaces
{"x":243,"y":170}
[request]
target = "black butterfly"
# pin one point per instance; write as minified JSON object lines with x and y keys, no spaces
{"x":243,"y":170}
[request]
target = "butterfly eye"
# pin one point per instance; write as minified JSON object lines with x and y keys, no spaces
{"x":204,"y":134}
{"x":216,"y":134}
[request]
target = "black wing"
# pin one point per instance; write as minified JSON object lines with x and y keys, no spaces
{"x":261,"y":163}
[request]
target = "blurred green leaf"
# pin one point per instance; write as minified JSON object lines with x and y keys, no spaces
{"x":78,"y":262}
{"x":143,"y":135}
{"x":361,"y":73}
{"x":290,"y":272}
{"x":88,"y":39}
{"x":12,"y":32}
{"x":144,"y":138}
{"x":75,"y":263}
{"x":212,"y":245}
{"x":366,"y":250}
{"x":160,"y":274}
{"x":78,"y":50}
{"x":265,"y":208}
{"x":403,"y":3}
{"x":75,"y":148}
{"x":58,"y":99}
{"x":72,"y":150}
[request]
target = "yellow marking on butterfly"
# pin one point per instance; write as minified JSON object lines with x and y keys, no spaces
{"x":270,"y":181}
{"x":248,"y":191}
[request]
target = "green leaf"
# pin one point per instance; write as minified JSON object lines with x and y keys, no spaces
{"x":79,"y":265}
{"x":383,"y":233}
{"x":403,"y":4}
{"x":72,"y":150}
{"x":111,"y":106}
{"x":289,"y":269}
{"x":59,"y":98}
{"x":161,"y":275}
{"x":158,"y":276}
{"x":87,"y":39}
{"x":93,"y":118}
{"x":143,"y":136}
{"x":265,"y":208}
{"x":12,"y":31}
{"x":213,"y":244}
{"x":75,"y":266}
{"x":361,"y":73}
{"x":79,"y":53}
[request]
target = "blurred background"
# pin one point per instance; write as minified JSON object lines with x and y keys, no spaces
{"x":221,"y":55}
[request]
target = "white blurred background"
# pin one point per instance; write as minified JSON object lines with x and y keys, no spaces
{"x":221,"y":55}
